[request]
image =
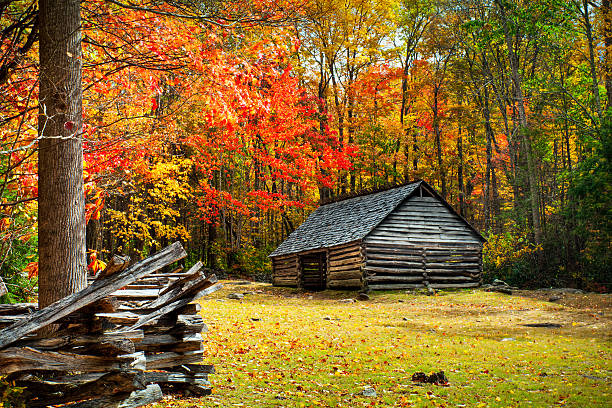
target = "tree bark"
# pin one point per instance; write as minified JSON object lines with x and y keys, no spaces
{"x":61,"y":200}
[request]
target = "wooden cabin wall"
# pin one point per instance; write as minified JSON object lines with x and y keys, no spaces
{"x":285,"y":271}
{"x":422,"y":243}
{"x":397,"y":266}
{"x":345,"y":264}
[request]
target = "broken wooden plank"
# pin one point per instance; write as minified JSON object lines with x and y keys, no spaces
{"x":16,"y":359}
{"x":97,"y":290}
{"x":116,"y":264}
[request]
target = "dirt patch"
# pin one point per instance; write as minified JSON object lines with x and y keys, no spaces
{"x":587,"y":302}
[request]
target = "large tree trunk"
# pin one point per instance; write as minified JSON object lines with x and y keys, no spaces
{"x":61,"y":200}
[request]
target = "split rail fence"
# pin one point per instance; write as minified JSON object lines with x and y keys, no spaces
{"x":131,"y":334}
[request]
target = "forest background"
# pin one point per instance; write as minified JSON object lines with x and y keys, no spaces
{"x":223,"y":124}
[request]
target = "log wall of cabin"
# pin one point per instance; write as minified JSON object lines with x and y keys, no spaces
{"x":345,"y":263}
{"x":285,"y":271}
{"x":422,"y":243}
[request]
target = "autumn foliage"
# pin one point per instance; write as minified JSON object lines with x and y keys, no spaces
{"x":222,"y":127}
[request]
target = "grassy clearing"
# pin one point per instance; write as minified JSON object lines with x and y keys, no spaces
{"x":280,"y":347}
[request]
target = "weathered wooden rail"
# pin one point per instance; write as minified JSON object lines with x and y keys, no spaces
{"x":110,"y":337}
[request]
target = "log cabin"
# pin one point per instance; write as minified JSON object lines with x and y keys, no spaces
{"x":405,"y":237}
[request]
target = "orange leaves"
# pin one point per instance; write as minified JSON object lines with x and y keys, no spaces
{"x":32,"y":269}
{"x":95,"y":265}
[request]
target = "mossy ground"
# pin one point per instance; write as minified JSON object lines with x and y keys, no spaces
{"x":282,"y":347}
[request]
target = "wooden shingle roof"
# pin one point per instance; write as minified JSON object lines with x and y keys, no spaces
{"x":344,"y":221}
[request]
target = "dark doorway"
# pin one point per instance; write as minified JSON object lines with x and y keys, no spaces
{"x":314,"y":271}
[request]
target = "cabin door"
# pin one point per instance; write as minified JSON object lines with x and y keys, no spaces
{"x":314,"y":271}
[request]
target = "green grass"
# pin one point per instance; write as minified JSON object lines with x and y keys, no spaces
{"x":295,"y":357}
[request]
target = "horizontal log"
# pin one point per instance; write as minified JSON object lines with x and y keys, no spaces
{"x":345,"y":250}
{"x":285,"y":268}
{"x":60,"y":342}
{"x":352,"y":274}
{"x":395,"y":264}
{"x":452,"y":265}
{"x":176,"y":378}
{"x":14,"y":309}
{"x":281,"y":258}
{"x":454,"y":285}
{"x":394,"y":278}
{"x":43,"y":393}
{"x":392,"y":271}
{"x":157,"y":342}
{"x":463,"y":271}
{"x":449,"y":278}
{"x":189,"y":309}
{"x":170,"y":359}
{"x":348,"y":245}
{"x":344,"y":283}
{"x":26,"y":358}
{"x":374,"y":258}
{"x":346,"y":261}
{"x":196,"y":368}
{"x":137,"y":294}
{"x":152,"y":393}
{"x":395,"y":286}
{"x":190,"y":323}
{"x":285,"y":265}
{"x":353,"y":267}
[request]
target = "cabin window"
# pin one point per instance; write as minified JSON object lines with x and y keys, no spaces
{"x":314,"y":271}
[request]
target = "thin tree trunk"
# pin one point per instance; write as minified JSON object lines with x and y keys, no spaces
{"x":520,"y":101}
{"x":460,"y":173}
{"x":489,"y":138}
{"x":437,"y":133}
{"x":588,"y":28}
{"x":607,"y":31}
{"x":61,"y":200}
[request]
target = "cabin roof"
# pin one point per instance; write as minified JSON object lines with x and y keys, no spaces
{"x":343,"y":221}
{"x":349,"y":220}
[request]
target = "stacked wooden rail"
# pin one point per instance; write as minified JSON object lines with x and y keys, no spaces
{"x":115,"y":345}
{"x":397,"y":266}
